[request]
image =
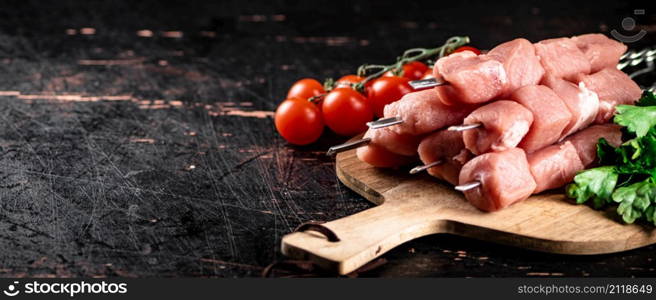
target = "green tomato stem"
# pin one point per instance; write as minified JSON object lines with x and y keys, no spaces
{"x":317,"y":98}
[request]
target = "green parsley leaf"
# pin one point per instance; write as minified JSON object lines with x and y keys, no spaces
{"x":627,"y":177}
{"x":650,"y":214}
{"x":635,"y":156}
{"x":628,"y":212}
{"x":634,"y":200}
{"x":597,"y":184}
{"x":637,"y":119}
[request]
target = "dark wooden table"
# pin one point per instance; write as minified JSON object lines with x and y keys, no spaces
{"x":137,"y":138}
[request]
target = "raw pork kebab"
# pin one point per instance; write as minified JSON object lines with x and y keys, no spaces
{"x":528,"y":117}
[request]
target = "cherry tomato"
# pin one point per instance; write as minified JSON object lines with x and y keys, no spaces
{"x":428,"y":74}
{"x":346,"y":112}
{"x":467,"y":48}
{"x":386,"y":90}
{"x":299,"y":121}
{"x":412,"y":70}
{"x":305,"y":88}
{"x":348,"y":80}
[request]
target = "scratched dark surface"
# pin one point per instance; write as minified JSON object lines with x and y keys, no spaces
{"x":137,"y":138}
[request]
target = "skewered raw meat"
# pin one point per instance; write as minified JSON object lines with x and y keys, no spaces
{"x":613,"y":87}
{"x":554,"y":166}
{"x":504,"y":177}
{"x":403,"y":144}
{"x":377,"y":155}
{"x":472,"y":78}
{"x":423,"y":112}
{"x":550,"y":116}
{"x":585,"y":141}
{"x":521,"y":63}
{"x":447,"y":148}
{"x":562,"y":58}
{"x":582,"y":103}
{"x":504,"y":125}
{"x":600,"y":51}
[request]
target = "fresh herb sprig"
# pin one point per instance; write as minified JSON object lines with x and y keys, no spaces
{"x":627,"y":177}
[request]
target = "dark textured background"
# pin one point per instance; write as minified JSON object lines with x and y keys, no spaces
{"x":136,"y":139}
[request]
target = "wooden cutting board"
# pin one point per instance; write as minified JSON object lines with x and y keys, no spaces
{"x":413,"y":206}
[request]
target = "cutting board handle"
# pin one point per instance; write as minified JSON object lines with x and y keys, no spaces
{"x":362,"y":237}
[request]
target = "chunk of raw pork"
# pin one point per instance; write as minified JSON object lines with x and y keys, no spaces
{"x":504,"y":179}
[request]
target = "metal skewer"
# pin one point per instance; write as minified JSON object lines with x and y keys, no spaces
{"x":426,"y":83}
{"x":464,"y":127}
{"x":347,"y":146}
{"x":384,"y":122}
{"x":634,"y":58}
{"x":418,"y":169}
{"x":467,"y":186}
{"x":649,"y":61}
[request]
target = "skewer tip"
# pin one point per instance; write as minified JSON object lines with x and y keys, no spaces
{"x":464,"y":127}
{"x":384,"y":122}
{"x":467,"y":186}
{"x":347,"y":146}
{"x":331,"y":151}
{"x":418,"y":169}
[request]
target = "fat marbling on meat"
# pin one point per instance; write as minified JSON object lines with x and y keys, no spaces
{"x":613,"y":87}
{"x":582,"y":103}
